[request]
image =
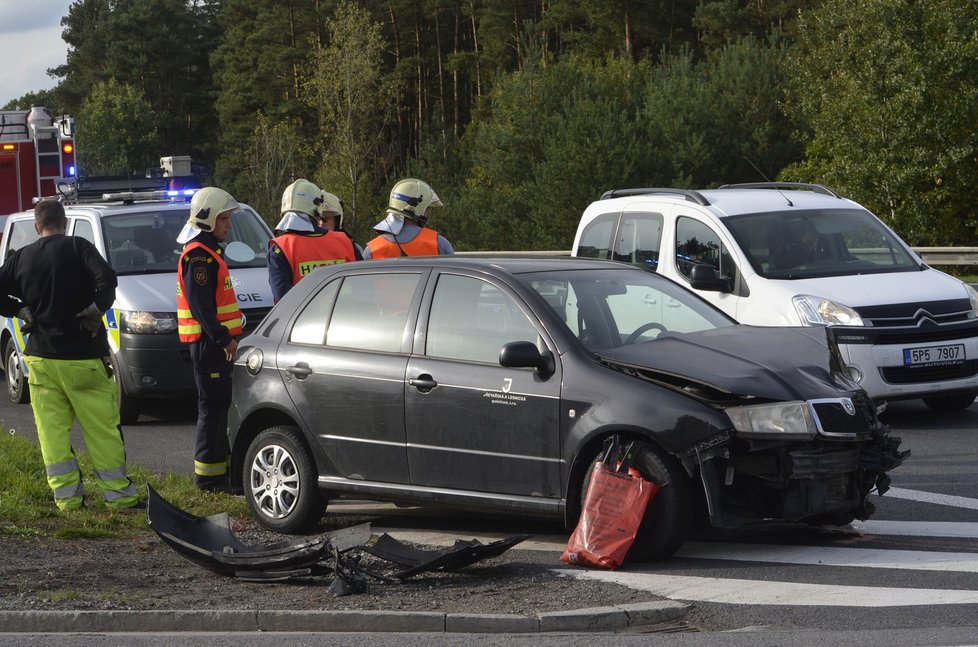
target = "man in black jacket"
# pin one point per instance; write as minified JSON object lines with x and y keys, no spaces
{"x":60,"y":286}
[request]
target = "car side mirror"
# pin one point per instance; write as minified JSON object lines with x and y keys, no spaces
{"x":524,"y":354}
{"x":704,"y":277}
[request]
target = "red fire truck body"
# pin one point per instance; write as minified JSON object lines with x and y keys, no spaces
{"x":36,"y":151}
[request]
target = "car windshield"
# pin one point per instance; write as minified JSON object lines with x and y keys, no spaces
{"x":145,"y":242}
{"x":816,"y":243}
{"x":608,"y":308}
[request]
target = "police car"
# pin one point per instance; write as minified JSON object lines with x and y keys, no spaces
{"x":136,"y":232}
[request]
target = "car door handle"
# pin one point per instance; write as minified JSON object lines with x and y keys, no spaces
{"x":299,"y":371}
{"x":423,"y":383}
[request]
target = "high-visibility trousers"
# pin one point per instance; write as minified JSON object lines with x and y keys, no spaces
{"x":62,"y":389}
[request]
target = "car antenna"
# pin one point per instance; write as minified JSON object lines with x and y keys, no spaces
{"x":767,"y":179}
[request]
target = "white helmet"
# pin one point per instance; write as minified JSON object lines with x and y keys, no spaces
{"x":411,"y":198}
{"x":302,"y":196}
{"x":207,"y":204}
{"x":332,"y":205}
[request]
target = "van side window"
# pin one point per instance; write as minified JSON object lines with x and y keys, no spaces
{"x":639,"y":238}
{"x":697,"y":243}
{"x":596,"y":237}
{"x":83,"y":229}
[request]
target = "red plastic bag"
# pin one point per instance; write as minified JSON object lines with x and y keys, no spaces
{"x":613,"y":509}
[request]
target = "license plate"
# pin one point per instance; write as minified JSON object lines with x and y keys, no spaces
{"x":931,"y":355}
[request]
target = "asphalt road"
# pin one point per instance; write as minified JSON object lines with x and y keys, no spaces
{"x":913,"y":567}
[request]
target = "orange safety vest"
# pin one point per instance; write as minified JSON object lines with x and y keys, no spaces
{"x":424,"y":244}
{"x":224,"y":298}
{"x":306,"y":253}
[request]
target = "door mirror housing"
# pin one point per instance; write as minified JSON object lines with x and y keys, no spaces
{"x":524,"y":354}
{"x":704,"y":277}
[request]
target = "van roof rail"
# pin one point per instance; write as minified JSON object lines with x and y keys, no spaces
{"x":692,"y":196}
{"x":816,"y":188}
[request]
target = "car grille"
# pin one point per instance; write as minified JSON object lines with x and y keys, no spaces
{"x":834,"y":419}
{"x":920,"y":335}
{"x":253,"y":317}
{"x":911,"y":375}
{"x":914,"y":314}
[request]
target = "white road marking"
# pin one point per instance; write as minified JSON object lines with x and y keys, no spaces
{"x":914,"y":560}
{"x":755,"y":592}
{"x":933,"y":497}
{"x":963,"y":529}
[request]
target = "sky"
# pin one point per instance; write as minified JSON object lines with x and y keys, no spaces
{"x":30,"y":43}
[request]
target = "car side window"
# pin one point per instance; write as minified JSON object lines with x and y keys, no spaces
{"x":698,"y":243}
{"x":596,"y":237}
{"x":472,"y":320}
{"x":639,"y":238}
{"x":310,"y":327}
{"x":371,"y":312}
{"x":84,"y":229}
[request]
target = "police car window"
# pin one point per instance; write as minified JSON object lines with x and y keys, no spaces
{"x":310,"y":326}
{"x":371,"y":312}
{"x":697,"y":243}
{"x":22,"y":233}
{"x":639,"y":238}
{"x":472,"y":320}
{"x":248,"y":228}
{"x":83,"y":229}
{"x":143,"y":242}
{"x":596,"y":238}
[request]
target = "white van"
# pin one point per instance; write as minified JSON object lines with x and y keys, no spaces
{"x":784,"y":254}
{"x":137,"y":234}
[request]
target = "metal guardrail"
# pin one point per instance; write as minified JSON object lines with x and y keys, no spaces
{"x":936,"y":256}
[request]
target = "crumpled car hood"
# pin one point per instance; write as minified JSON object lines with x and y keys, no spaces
{"x":768,"y":363}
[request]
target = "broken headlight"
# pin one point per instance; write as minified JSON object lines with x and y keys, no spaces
{"x":772,"y":421}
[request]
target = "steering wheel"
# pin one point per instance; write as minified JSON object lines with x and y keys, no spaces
{"x":644,"y":328}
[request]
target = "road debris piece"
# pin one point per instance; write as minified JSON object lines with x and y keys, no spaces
{"x":462,"y":553}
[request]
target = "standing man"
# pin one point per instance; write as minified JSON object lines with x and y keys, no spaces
{"x":403,"y":232}
{"x":64,"y":286}
{"x":303,"y":244}
{"x":208,"y":319}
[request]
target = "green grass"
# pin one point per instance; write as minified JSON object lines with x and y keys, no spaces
{"x":27,"y":506}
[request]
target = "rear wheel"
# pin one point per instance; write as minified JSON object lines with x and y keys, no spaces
{"x":955,"y":402}
{"x":280,"y":483}
{"x":669,"y":515}
{"x":17,"y":389}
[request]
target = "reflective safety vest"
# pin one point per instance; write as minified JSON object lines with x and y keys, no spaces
{"x":306,"y":253}
{"x":424,"y":244}
{"x":228,"y":313}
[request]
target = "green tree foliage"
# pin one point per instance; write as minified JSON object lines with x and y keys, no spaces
{"x":725,"y":21}
{"x":116,"y":131}
{"x":354,"y":100}
{"x":278,"y":153}
{"x":888,"y":91}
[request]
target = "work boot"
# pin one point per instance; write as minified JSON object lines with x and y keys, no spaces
{"x":213,"y":484}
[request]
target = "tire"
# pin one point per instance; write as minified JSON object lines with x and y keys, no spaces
{"x":669,"y":516}
{"x":128,"y":405}
{"x":280,"y":482}
{"x":955,"y":402}
{"x":17,"y":388}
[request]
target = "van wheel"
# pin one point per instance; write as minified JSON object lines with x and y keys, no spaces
{"x":17,"y":389}
{"x":955,"y":402}
{"x":280,"y":481}
{"x":669,"y":515}
{"x":128,"y":405}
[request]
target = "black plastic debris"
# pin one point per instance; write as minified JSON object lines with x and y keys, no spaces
{"x":462,"y":553}
{"x":210,"y":543}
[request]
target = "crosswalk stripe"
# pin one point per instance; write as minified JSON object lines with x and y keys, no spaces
{"x":914,"y":560}
{"x":945,"y":529}
{"x":933,"y":497}
{"x":755,"y":592}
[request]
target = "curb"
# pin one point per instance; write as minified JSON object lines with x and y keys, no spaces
{"x":593,"y":619}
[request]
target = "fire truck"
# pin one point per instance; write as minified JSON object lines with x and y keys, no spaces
{"x":37,"y":152}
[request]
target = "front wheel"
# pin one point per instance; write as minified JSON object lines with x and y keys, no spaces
{"x":17,"y":389}
{"x":955,"y":402}
{"x":669,"y":515}
{"x":128,"y":405}
{"x":280,"y":483}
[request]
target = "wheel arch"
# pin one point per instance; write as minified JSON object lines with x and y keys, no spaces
{"x":256,"y":422}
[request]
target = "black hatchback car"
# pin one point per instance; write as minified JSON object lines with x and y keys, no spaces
{"x":492,"y":383}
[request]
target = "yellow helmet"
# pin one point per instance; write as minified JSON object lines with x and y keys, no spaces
{"x":207,"y":204}
{"x":410,"y":198}
{"x":331,"y":204}
{"x":302,"y":196}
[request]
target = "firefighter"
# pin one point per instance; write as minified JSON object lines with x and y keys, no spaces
{"x":208,"y":319}
{"x":303,"y":245}
{"x":403,"y":232}
{"x":64,"y":286}
{"x":332,"y":219}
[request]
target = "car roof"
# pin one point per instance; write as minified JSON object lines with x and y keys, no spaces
{"x":724,"y":202}
{"x":501,"y":264}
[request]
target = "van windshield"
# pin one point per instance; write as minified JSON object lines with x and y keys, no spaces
{"x":817,"y":243}
{"x":145,"y":242}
